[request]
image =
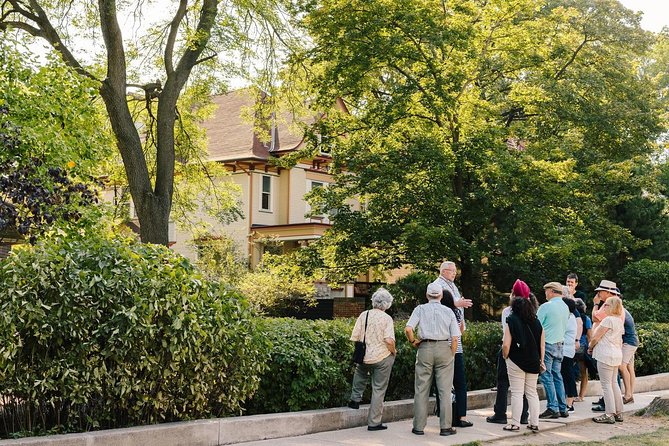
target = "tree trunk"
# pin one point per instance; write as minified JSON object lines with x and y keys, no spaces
{"x":659,"y":406}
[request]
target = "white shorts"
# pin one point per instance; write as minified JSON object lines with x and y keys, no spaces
{"x":628,"y":353}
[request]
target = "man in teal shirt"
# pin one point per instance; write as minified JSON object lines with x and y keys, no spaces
{"x":553,"y":316}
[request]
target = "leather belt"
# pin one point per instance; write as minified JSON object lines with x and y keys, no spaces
{"x":434,"y":340}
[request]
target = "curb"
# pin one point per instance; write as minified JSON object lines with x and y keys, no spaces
{"x":222,"y":431}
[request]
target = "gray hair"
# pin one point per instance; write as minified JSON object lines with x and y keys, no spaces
{"x":382,"y":299}
{"x":565,"y":291}
{"x":446,"y":265}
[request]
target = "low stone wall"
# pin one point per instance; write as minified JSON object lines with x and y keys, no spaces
{"x":221,"y":431}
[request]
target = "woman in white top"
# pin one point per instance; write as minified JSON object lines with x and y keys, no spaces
{"x":376,"y":328}
{"x":606,"y":347}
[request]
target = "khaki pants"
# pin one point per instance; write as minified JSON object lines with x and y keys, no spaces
{"x":523,"y":383}
{"x":433,"y":359}
{"x":608,"y":378}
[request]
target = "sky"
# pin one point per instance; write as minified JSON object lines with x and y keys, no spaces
{"x":655,"y":12}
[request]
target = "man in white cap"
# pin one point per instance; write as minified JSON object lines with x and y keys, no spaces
{"x":437,"y":342}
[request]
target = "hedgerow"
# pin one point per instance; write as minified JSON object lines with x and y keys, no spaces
{"x":100,"y":332}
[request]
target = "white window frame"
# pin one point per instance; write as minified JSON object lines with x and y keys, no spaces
{"x":263,"y":193}
{"x":322,"y":217}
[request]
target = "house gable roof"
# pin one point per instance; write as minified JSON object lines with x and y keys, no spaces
{"x":231,"y":136}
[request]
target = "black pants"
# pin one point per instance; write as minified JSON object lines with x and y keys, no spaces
{"x":568,"y":377}
{"x":503,"y":390}
{"x":460,"y":386}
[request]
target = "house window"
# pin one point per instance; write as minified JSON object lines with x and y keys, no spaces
{"x":266,"y":193}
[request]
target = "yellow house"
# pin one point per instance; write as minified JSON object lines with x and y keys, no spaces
{"x":272,"y":197}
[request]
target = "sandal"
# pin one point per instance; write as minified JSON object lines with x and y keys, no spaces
{"x":628,"y":400}
{"x":511,"y":428}
{"x":604,"y":419}
{"x":578,"y":399}
{"x":533,"y":428}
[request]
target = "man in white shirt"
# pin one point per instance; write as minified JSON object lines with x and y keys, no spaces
{"x":437,"y":343}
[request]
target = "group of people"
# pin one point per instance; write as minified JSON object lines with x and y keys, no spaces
{"x":553,"y":342}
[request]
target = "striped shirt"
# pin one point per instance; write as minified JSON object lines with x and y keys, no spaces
{"x":446,"y":284}
{"x":434,"y":321}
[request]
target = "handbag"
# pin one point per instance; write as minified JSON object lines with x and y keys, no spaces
{"x":360,"y":347}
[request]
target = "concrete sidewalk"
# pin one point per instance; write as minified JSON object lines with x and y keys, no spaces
{"x":339,"y":425}
{"x":399,"y":432}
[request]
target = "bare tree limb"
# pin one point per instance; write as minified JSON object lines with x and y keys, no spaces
{"x":171,"y":39}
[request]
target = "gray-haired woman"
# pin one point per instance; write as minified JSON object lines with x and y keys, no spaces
{"x":379,"y":356}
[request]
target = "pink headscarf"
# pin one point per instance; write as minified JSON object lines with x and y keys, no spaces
{"x":520,"y":289}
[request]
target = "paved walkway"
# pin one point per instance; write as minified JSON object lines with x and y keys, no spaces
{"x":399,"y":433}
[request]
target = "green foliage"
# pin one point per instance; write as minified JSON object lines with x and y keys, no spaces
{"x":276,"y":284}
{"x":645,"y":310}
{"x":646,"y":279}
{"x":52,"y":106}
{"x":514,"y":138}
{"x":481,"y":343}
{"x":310,"y":366}
{"x":219,"y":259}
{"x":651,"y":356}
{"x":99,"y":332}
{"x":408,"y":292}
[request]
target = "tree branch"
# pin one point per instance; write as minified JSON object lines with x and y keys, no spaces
{"x":571,"y":60}
{"x":50,"y":34}
{"x":172,"y":37}
{"x":204,"y":59}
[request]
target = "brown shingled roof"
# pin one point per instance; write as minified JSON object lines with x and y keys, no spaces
{"x":231,"y":137}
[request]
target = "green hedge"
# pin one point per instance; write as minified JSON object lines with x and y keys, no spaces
{"x":653,"y":353}
{"x":101,"y":333}
{"x":310,"y":364}
{"x":311,"y":368}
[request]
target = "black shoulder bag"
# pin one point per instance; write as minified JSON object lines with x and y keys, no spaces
{"x":360,"y":346}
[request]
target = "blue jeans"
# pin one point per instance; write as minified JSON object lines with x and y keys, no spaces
{"x":552,"y":379}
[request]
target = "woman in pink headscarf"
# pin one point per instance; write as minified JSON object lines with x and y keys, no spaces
{"x":523,"y":349}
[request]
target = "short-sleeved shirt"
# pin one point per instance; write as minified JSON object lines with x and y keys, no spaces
{"x":379,"y":327}
{"x":505,"y":314}
{"x":630,"y":337}
{"x":569,"y":349}
{"x":609,"y":349}
{"x":434,"y":321}
{"x":450,"y":286}
{"x":553,"y":316}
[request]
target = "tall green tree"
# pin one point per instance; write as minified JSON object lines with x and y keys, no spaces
{"x":499,"y":134}
{"x":52,"y":139}
{"x":158,"y":65}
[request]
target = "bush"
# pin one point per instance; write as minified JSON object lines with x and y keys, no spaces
{"x":644,"y":310}
{"x":646,"y":279}
{"x":102,"y":333}
{"x":651,"y":356}
{"x":311,"y":366}
{"x":408,"y":292}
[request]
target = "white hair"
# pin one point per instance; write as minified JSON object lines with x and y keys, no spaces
{"x":565,"y":291}
{"x":382,"y":299}
{"x":447,"y":265}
